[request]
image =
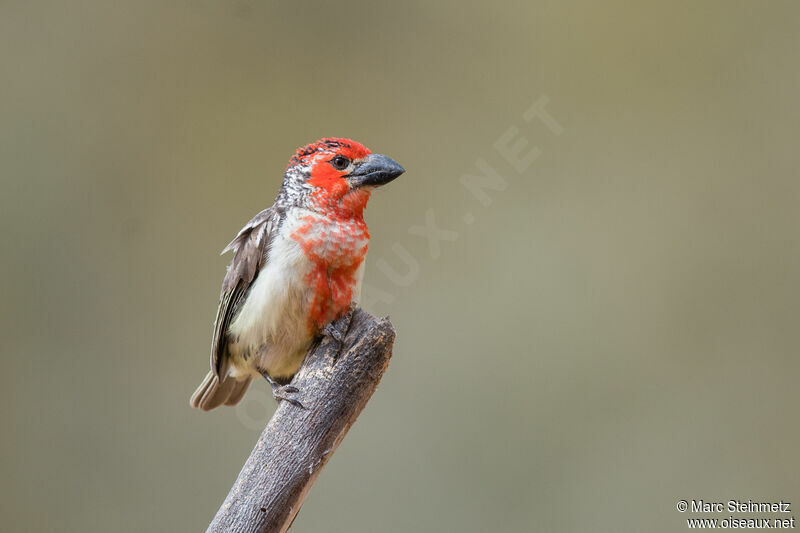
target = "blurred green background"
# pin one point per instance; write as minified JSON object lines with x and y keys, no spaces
{"x":616,"y":330}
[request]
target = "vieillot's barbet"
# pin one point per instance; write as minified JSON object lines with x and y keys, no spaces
{"x":297,"y":268}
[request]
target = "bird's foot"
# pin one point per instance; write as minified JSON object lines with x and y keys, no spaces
{"x":338,"y":328}
{"x":282,"y":392}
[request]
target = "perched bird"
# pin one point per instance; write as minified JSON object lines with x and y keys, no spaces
{"x":297,"y":267}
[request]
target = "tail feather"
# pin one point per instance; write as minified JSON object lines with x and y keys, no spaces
{"x":238,"y":391}
{"x":214,"y":392}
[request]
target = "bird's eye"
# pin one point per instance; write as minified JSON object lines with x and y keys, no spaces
{"x":340,"y":162}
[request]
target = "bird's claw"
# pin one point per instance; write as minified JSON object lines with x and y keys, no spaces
{"x":338,"y":328}
{"x":330,"y":330}
{"x":280,"y":392}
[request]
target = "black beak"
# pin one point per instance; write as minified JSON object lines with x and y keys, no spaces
{"x":374,"y":171}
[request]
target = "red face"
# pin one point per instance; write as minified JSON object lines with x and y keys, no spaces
{"x":330,"y":161}
{"x":330,"y":167}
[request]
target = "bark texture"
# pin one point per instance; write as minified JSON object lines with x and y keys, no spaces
{"x":335,"y":383}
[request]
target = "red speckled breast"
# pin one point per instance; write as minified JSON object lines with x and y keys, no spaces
{"x":336,"y":249}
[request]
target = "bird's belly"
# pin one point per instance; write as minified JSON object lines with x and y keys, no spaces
{"x":269,"y":330}
{"x":294,"y":295}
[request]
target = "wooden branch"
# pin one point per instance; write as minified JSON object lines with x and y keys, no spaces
{"x":335,"y":383}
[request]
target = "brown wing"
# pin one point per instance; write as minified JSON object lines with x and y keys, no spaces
{"x":250,"y":248}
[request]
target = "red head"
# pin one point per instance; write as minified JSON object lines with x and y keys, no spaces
{"x":337,"y":174}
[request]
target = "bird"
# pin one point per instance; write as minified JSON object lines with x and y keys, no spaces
{"x":297,"y":268}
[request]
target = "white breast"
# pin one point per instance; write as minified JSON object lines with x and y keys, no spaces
{"x":269,"y":329}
